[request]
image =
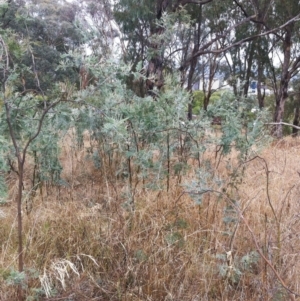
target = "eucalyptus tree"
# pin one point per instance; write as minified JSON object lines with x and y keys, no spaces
{"x":247,"y":33}
{"x":263,"y":47}
{"x":48,"y":29}
{"x":23,"y":118}
{"x":295,"y":100}
{"x":208,"y":22}
{"x":31,"y":45}
{"x":245,"y":51}
{"x":102,"y":35}
{"x":136,"y":20}
{"x":279,"y":43}
{"x":155,"y":32}
{"x":287,"y":37}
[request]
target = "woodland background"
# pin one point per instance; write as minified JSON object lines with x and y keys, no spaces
{"x":119,"y":180}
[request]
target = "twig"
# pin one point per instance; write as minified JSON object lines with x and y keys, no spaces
{"x":266,"y":260}
{"x":283,"y":123}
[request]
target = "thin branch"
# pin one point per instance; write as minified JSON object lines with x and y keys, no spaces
{"x":182,"y":3}
{"x":45,"y":111}
{"x":283,"y":123}
{"x":294,"y":70}
{"x":266,"y":260}
{"x":6,"y":55}
{"x":242,"y":8}
{"x":7,"y":107}
{"x":247,"y":15}
{"x":194,"y":2}
{"x":266,"y":167}
{"x":204,"y":49}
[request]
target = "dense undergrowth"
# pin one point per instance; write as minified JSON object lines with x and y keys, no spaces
{"x":83,"y":241}
{"x":124,"y":199}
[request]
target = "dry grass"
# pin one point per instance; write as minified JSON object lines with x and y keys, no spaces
{"x":84,"y":242}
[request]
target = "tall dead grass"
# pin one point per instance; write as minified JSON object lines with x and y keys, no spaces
{"x":83,"y":241}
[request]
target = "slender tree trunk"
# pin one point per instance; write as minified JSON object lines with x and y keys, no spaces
{"x":234,"y":71}
{"x":296,"y":120}
{"x":21,"y":160}
{"x":260,"y":95}
{"x":282,"y":94}
{"x":212,"y":71}
{"x":249,"y":67}
{"x":260,"y":73}
{"x":194,"y":61}
{"x":278,"y":116}
{"x":19,"y":210}
{"x":155,"y":66}
{"x":20,"y":225}
{"x":190,"y":85}
{"x":255,"y":48}
{"x":207,"y":96}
